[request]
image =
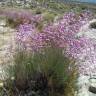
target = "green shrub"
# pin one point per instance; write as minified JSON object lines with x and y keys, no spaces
{"x":49,"y":73}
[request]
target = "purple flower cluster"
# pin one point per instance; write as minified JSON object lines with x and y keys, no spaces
{"x":57,"y":34}
{"x":62,"y":34}
{"x":87,"y":56}
{"x":24,"y":34}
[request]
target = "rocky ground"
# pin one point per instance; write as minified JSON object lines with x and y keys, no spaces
{"x":87,"y":84}
{"x":6,"y":46}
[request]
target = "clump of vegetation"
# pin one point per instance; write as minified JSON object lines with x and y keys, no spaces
{"x":93,"y":25}
{"x":12,"y":23}
{"x":48,"y":73}
{"x":49,"y":17}
{"x":39,"y":11}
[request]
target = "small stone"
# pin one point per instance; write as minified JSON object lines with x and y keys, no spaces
{"x":31,"y":93}
{"x":92,"y":87}
{"x":91,"y":94}
{"x":1,"y":84}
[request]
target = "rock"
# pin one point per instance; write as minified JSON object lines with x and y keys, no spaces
{"x":86,"y":86}
{"x":93,"y":81}
{"x":87,"y":31}
{"x":92,"y":87}
{"x":83,"y":85}
{"x":1,"y":29}
{"x":31,"y":93}
{"x":2,"y":22}
{"x":1,"y":84}
{"x":92,"y":94}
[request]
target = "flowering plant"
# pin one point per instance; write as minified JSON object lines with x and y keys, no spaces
{"x":62,"y":34}
{"x":58,"y":34}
